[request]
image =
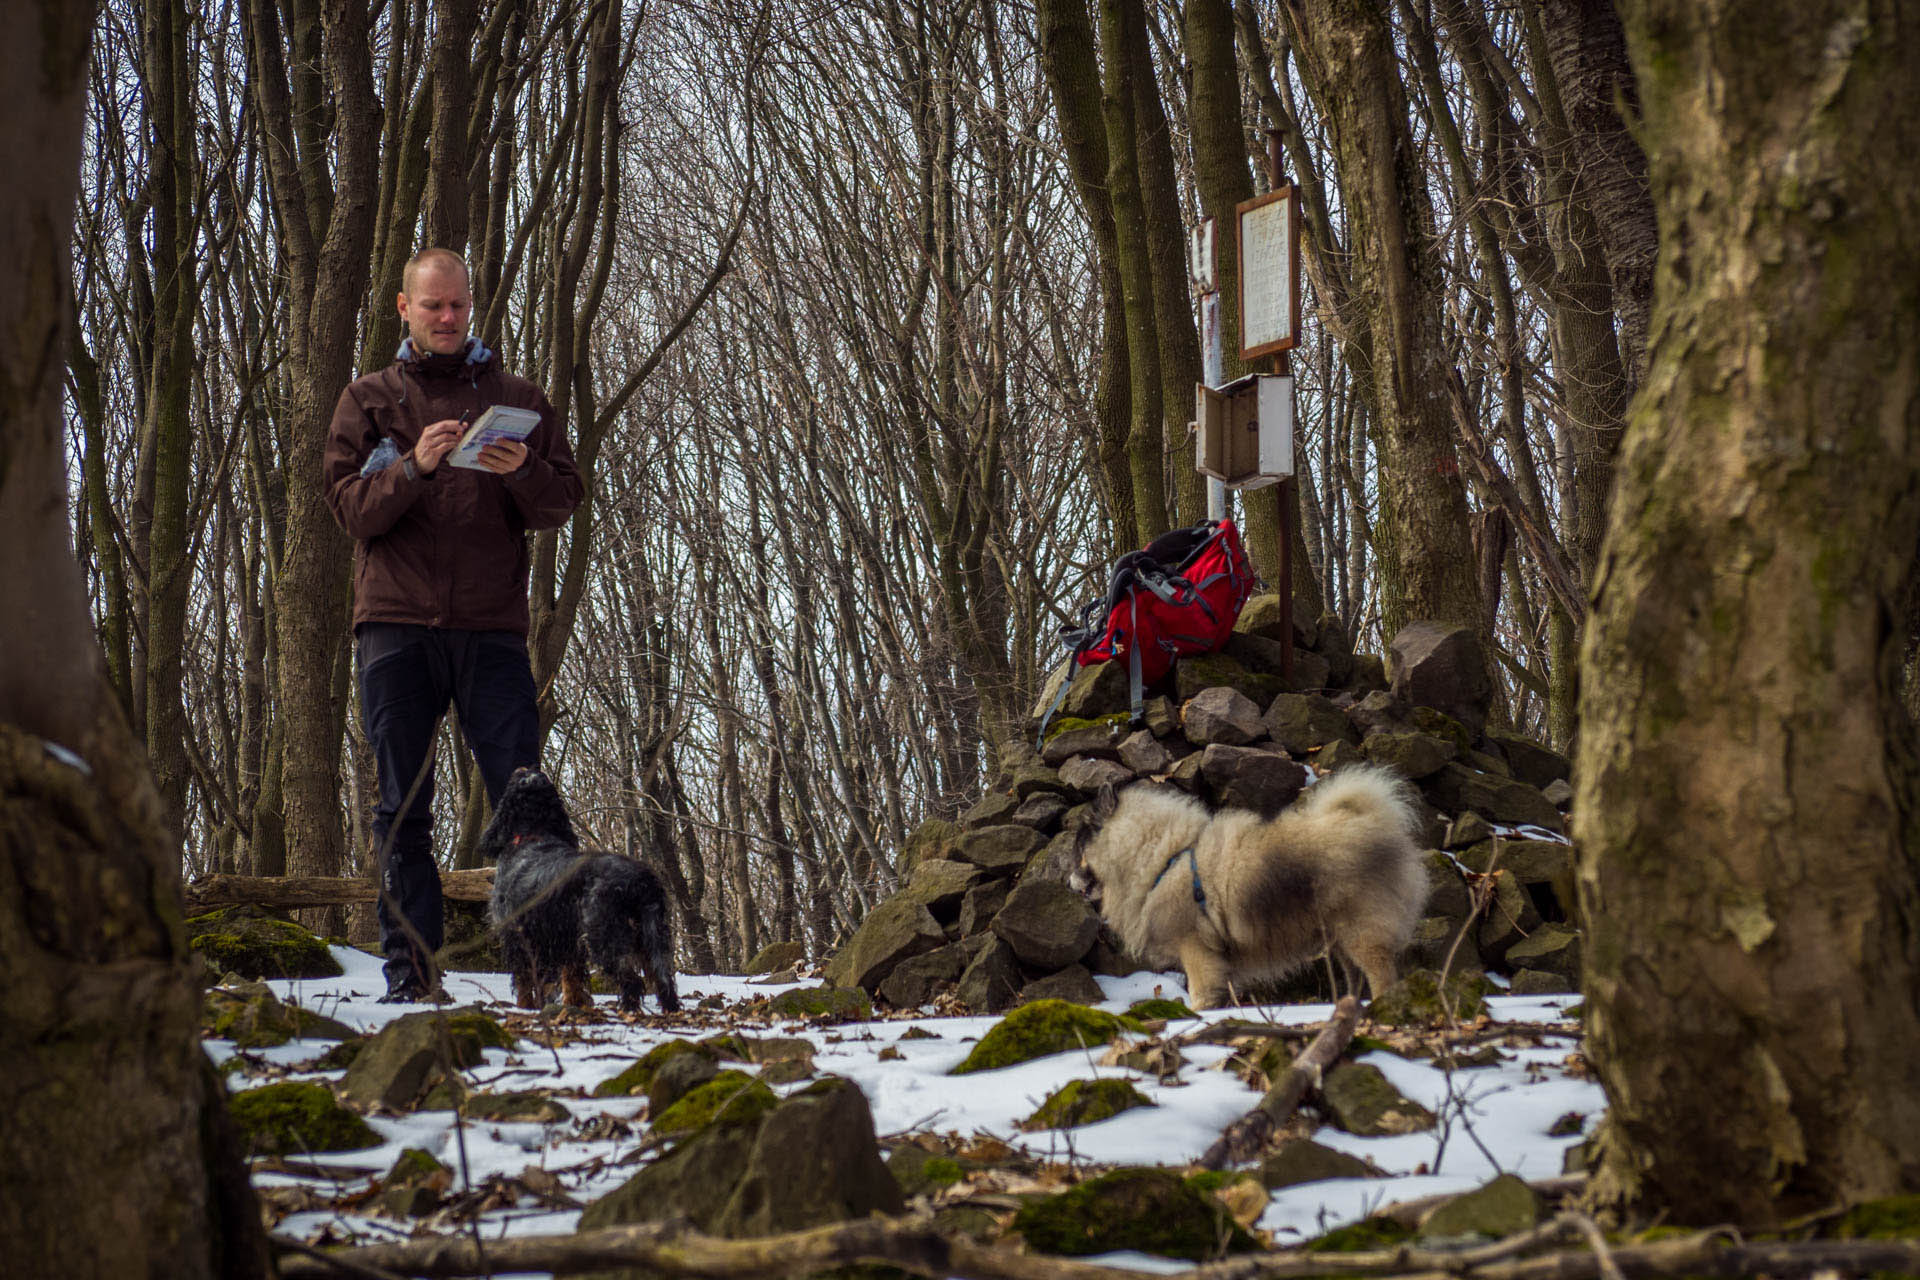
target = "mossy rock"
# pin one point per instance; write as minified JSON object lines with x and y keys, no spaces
{"x":919,"y":1171}
{"x":638,"y":1078}
{"x":1303,"y":1160}
{"x":253,"y":943}
{"x":1503,"y":1207}
{"x":1041,"y":1028}
{"x":1415,"y":1001}
{"x":1157,"y":1009}
{"x":835,"y":1004}
{"x":520,"y":1107}
{"x":778,"y":956}
{"x":1083,"y":1102}
{"x":759,"y":1050}
{"x":477,"y":1028}
{"x":295,"y":1116}
{"x":1362,"y":1101}
{"x":1365,"y":1236}
{"x":340,"y":1056}
{"x":730,"y":1098}
{"x":1072,"y":724}
{"x":1892,"y":1218}
{"x":411,"y":1165}
{"x":415,"y":1186}
{"x":253,"y":1018}
{"x":1152,"y":1210}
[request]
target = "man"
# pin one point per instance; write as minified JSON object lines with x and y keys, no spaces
{"x":439,"y":581}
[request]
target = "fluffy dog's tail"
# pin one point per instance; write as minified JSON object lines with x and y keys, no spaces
{"x":1364,"y":793}
{"x":624,"y":917}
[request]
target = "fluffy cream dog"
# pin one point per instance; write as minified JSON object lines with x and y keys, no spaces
{"x":1234,"y":896}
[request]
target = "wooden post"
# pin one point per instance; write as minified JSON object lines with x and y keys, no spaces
{"x":1283,"y":492}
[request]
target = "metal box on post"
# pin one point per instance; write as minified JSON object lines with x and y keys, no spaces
{"x":1243,"y":433}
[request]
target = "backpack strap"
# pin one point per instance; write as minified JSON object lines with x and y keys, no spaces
{"x":1134,"y":690}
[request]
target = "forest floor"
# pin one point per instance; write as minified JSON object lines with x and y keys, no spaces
{"x":1516,"y":1114}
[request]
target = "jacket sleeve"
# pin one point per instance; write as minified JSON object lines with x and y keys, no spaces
{"x":366,"y":506}
{"x":547,"y":487}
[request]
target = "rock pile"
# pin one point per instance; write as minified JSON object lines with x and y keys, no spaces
{"x":985,"y":912}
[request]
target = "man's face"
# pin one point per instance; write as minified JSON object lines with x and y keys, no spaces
{"x":438,"y":310}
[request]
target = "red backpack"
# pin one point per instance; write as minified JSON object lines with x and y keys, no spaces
{"x":1177,"y":597}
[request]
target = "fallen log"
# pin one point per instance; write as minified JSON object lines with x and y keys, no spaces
{"x":289,"y":893}
{"x":1246,"y":1136}
{"x":913,"y":1245}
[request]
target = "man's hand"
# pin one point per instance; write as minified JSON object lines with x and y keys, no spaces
{"x":503,"y":457}
{"x":435,"y":443}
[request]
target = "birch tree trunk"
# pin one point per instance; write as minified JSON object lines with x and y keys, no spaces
{"x":1746,"y":808}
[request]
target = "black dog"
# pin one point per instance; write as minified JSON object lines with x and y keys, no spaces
{"x":554,"y":906}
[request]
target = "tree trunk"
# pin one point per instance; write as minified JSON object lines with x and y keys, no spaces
{"x":323,"y":188}
{"x":1072,"y":70}
{"x":1427,"y":566}
{"x":1747,"y":787}
{"x":1588,"y":54}
{"x":1179,"y":344}
{"x":1121,"y":23}
{"x":99,"y":1014}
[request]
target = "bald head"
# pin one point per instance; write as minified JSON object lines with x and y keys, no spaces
{"x":440,"y":259}
{"x":435,"y":302}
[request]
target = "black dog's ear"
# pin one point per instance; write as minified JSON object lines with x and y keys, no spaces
{"x":1105,"y":802}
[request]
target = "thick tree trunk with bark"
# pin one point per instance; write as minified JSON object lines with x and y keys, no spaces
{"x":99,"y":1013}
{"x":323,"y":185}
{"x":1122,"y":24}
{"x":1747,"y":800}
{"x":1068,"y":60}
{"x":1427,"y":565}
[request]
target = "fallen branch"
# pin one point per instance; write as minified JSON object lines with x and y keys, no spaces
{"x":1246,"y":1136}
{"x":671,"y":1250}
{"x":915,"y":1246}
{"x":1710,"y":1253}
{"x":289,"y":893}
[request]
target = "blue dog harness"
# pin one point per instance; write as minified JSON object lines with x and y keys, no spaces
{"x":1193,"y":863}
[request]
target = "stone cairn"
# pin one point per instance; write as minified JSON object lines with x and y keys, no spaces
{"x":985,"y":911}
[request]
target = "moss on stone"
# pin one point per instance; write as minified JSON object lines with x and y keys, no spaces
{"x":340,"y":1056}
{"x":411,"y":1165}
{"x":254,"y":944}
{"x":253,"y":1018}
{"x":1083,"y":1102}
{"x":1156,"y":1009}
{"x":1066,"y":724}
{"x":730,"y":1098}
{"x":1151,"y":1210}
{"x":1362,"y":1237}
{"x":1893,"y":1218}
{"x":1442,"y":725}
{"x":842,"y":1004}
{"x":295,"y":1116}
{"x":1041,"y":1028}
{"x":477,"y":1027}
{"x":1415,"y":1001}
{"x":638,"y":1078}
{"x":919,"y":1171}
{"x":523,"y":1107}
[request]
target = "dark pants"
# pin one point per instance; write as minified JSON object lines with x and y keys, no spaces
{"x":408,"y":676}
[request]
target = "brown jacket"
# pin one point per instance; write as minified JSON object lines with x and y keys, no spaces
{"x":449,"y":549}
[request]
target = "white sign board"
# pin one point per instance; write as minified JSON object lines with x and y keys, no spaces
{"x":1269,"y":243}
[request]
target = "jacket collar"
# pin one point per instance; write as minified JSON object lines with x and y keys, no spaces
{"x":470,"y":361}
